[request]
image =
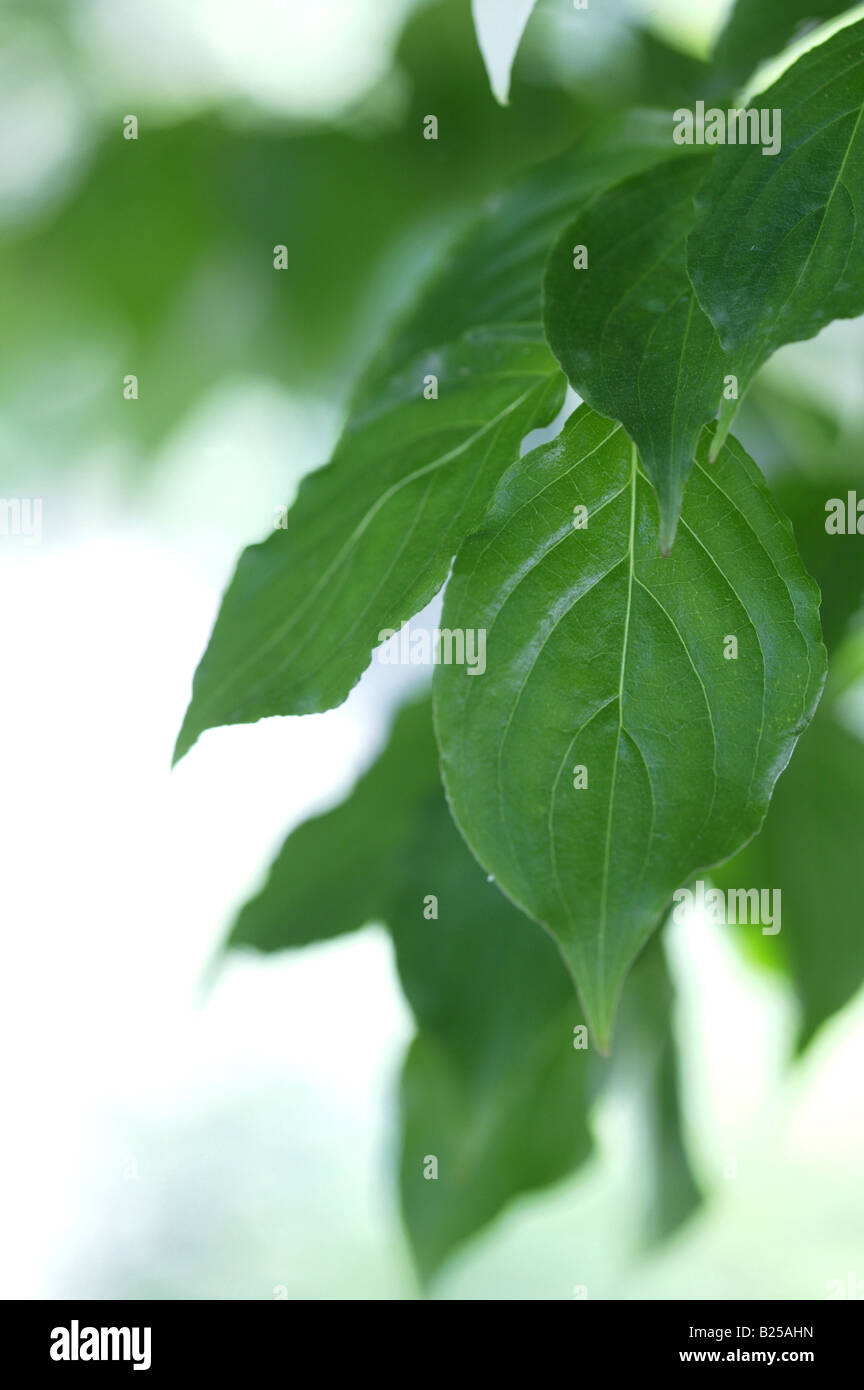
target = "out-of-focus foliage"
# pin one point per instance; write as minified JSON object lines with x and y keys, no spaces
{"x":810,"y":849}
{"x":493,"y":274}
{"x":809,"y":846}
{"x":757,"y":29}
{"x":493,"y":1088}
{"x":159,"y":260}
{"x":493,"y":1091}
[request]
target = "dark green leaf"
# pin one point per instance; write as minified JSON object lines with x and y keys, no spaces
{"x":370,"y":538}
{"x":602,"y":654}
{"x":777,"y":249}
{"x":627,"y":327}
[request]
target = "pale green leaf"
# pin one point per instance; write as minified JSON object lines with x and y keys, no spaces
{"x":602,"y":654}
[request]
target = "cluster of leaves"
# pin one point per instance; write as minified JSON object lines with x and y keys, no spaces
{"x":606,"y":641}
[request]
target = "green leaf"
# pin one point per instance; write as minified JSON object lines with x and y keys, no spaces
{"x":627,"y":328}
{"x":500,"y":25}
{"x":777,"y":249}
{"x":810,"y":849}
{"x":757,"y":29}
{"x":493,"y":274}
{"x":370,"y":538}
{"x":492,"y":1086}
{"x":602,"y":654}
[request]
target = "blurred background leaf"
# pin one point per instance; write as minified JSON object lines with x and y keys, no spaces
{"x":158,"y":260}
{"x":646,"y":1060}
{"x":808,"y":846}
{"x":760,"y":29}
{"x":494,"y":1087}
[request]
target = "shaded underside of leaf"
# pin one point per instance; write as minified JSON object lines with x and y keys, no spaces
{"x":627,"y":328}
{"x":605,"y":656}
{"x":370,"y":537}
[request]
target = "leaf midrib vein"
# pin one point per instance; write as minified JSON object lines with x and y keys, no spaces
{"x":624,"y":646}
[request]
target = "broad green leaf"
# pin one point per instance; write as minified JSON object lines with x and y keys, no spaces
{"x":759,"y":29}
{"x":777,"y":248}
{"x":623,"y":321}
{"x":493,"y":1087}
{"x":810,"y":849}
{"x":500,"y":25}
{"x":493,"y":274}
{"x":370,"y":537}
{"x":604,"y":656}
